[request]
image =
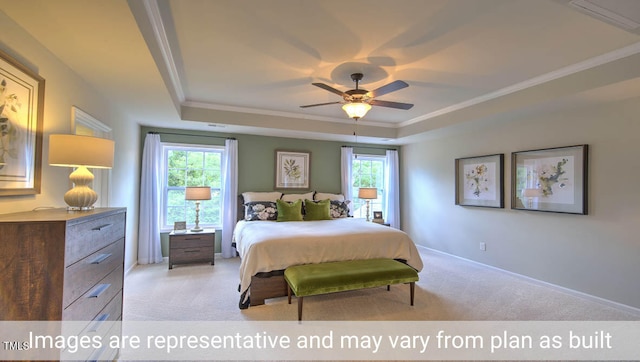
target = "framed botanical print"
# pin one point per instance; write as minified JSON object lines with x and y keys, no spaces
{"x":479,"y":181}
{"x":551,"y":179}
{"x":292,"y":170}
{"x":21,"y":110}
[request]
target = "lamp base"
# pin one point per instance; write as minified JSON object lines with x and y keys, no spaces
{"x":195,"y":230}
{"x":81,"y":196}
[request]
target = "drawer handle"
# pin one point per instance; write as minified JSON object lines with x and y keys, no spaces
{"x":99,"y":289}
{"x":100,"y":258}
{"x":192,"y":251}
{"x":196,"y":238}
{"x":99,"y":228}
{"x":97,"y":322}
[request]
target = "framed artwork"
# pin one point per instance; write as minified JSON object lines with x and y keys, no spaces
{"x":21,"y":110}
{"x":377,"y":214}
{"x":551,"y":179}
{"x":479,"y":181}
{"x":292,"y":170}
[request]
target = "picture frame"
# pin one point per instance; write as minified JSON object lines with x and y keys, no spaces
{"x":480,"y":181}
{"x":377,"y":214}
{"x":21,"y":114}
{"x":180,"y":226}
{"x":292,"y":169}
{"x":550,"y":179}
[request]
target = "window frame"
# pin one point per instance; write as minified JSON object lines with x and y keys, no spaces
{"x":378,"y":204}
{"x":172,"y":146}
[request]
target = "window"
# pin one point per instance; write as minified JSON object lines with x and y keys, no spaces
{"x":191,"y":166}
{"x":367,"y":171}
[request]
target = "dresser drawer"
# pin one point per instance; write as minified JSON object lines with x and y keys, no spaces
{"x":191,"y":241}
{"x":87,"y":237}
{"x":94,"y":300}
{"x":81,"y":276}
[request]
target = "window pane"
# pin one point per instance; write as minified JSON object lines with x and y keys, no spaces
{"x":177,"y":159}
{"x":176,"y":177}
{"x":194,"y":177}
{"x":175,"y":198}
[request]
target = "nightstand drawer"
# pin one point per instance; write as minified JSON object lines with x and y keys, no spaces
{"x":84,"y":274}
{"x":189,"y":255}
{"x":191,"y":241}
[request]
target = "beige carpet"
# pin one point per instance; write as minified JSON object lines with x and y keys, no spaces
{"x":449,"y":289}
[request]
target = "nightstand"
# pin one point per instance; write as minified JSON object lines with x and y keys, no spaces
{"x":191,"y":247}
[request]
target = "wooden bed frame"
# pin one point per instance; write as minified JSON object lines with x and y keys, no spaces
{"x":263,"y":285}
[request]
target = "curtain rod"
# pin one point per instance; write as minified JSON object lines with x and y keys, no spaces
{"x":191,"y":135}
{"x":375,"y":148}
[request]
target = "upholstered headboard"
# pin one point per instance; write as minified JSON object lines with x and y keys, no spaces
{"x":240,"y":212}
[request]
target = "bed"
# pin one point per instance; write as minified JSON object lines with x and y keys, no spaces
{"x":267,"y":248}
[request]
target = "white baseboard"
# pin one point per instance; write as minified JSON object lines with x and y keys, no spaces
{"x":576,"y":293}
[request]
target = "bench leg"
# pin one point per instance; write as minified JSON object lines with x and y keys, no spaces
{"x":388,"y":288}
{"x":300,"y":308}
{"x":412,"y":287}
{"x":289,"y":293}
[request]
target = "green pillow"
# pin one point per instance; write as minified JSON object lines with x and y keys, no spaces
{"x":317,"y":210}
{"x":289,"y":211}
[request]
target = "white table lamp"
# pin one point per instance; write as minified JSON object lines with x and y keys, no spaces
{"x":197,"y":194}
{"x":368,"y":193}
{"x":82,"y":152}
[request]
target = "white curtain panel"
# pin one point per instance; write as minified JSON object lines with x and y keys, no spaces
{"x":345,"y":164}
{"x":392,"y":191}
{"x":229,"y":196}
{"x":149,"y":248}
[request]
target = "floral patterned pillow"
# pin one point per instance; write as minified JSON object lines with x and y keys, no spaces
{"x":339,"y":209}
{"x":260,"y":210}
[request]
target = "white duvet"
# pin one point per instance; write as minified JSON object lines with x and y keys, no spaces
{"x":269,"y":245}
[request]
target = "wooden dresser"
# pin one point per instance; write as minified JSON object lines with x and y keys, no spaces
{"x":63,"y":265}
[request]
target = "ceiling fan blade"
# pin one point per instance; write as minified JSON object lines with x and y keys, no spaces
{"x":319,"y":104}
{"x":391,"y":87}
{"x":330,"y":89}
{"x":398,"y":105}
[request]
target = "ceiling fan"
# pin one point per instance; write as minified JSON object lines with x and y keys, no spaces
{"x":357,"y":102}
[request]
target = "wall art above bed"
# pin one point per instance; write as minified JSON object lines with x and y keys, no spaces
{"x":292,"y":170}
{"x":551,"y":179}
{"x":479,"y":181}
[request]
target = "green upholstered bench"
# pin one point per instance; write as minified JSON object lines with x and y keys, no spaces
{"x":313,"y":279}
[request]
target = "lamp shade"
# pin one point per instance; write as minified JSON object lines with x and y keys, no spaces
{"x":198,"y":193}
{"x":356,"y":109}
{"x":75,"y":150}
{"x":368,"y":193}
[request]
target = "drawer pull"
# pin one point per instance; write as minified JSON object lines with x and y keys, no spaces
{"x":196,"y":238}
{"x":100,"y":228}
{"x":192,"y":251}
{"x":99,"y":289}
{"x":100,"y":258}
{"x":97,"y":322}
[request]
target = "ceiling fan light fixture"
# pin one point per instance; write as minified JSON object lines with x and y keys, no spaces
{"x":356,"y":110}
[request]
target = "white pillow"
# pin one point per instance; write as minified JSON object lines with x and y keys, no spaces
{"x":333,"y":197}
{"x":296,"y":197}
{"x":261,"y":196}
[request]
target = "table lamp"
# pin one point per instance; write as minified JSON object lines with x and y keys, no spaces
{"x":530,"y":194}
{"x":197,"y":194}
{"x":368,"y":193}
{"x":82,"y":152}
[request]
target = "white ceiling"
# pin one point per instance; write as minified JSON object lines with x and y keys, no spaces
{"x":246,"y":66}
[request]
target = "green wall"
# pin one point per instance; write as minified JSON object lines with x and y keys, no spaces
{"x":256,"y":159}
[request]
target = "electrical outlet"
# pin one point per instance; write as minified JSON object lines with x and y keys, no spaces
{"x":483,"y":246}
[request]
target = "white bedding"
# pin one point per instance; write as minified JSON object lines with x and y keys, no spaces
{"x":265,"y":246}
